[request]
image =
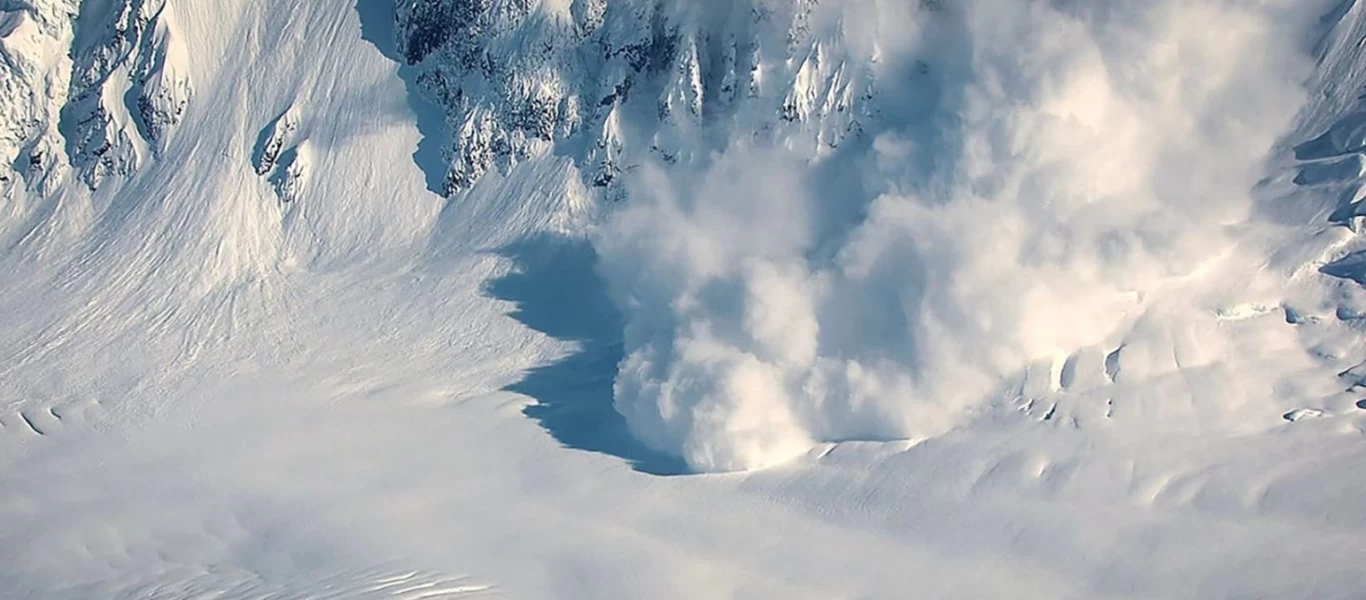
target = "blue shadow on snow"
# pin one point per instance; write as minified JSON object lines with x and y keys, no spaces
{"x":557,"y":291}
{"x":377,"y":26}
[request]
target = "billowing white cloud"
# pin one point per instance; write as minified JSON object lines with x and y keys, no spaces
{"x":1043,"y":177}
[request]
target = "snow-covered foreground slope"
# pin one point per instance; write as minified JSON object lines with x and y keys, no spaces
{"x":1072,"y":311}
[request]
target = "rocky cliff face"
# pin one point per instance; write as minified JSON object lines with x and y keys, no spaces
{"x":34,"y":78}
{"x":91,"y":88}
{"x":610,"y":83}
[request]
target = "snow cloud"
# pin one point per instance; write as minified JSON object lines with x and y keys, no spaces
{"x":1042,"y":177}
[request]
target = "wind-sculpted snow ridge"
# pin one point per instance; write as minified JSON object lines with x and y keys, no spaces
{"x":93,"y":86}
{"x":1053,"y":219}
{"x":612,"y":83}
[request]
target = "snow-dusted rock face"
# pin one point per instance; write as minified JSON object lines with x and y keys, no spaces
{"x":121,"y":45}
{"x":605,"y":83}
{"x":34,"y":76}
{"x":279,"y":158}
{"x":94,"y":86}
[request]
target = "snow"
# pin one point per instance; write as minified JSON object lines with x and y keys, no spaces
{"x":1064,"y":222}
{"x":1059,"y":322}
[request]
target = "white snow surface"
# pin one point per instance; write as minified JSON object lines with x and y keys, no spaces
{"x":1074,"y":312}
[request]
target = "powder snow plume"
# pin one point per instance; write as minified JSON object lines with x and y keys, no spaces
{"x":1040,"y":179}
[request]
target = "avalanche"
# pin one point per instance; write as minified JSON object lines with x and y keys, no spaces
{"x":668,"y":299}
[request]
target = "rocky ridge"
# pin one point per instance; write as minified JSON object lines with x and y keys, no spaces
{"x":94,"y":88}
{"x":611,"y":83}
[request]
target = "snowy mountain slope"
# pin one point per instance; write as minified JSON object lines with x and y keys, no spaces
{"x":1016,"y":338}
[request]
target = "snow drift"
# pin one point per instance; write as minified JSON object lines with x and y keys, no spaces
{"x":1046,"y":183}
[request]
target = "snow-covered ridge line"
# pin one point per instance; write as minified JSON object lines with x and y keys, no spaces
{"x":91,"y":88}
{"x":610,"y":83}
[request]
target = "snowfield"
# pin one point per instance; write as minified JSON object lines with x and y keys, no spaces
{"x":310,"y":299}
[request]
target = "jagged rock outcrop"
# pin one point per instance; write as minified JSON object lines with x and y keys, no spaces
{"x":90,"y":85}
{"x":605,"y":83}
{"x":121,"y":44}
{"x":34,"y":72}
{"x":279,"y":156}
